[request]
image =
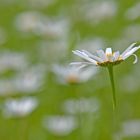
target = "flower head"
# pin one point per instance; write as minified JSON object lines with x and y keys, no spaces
{"x":81,"y":106}
{"x":60,"y":125}
{"x":105,"y":58}
{"x":72,"y":75}
{"x":19,"y":107}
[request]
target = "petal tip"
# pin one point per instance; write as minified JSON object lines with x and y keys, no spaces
{"x":136,"y":58}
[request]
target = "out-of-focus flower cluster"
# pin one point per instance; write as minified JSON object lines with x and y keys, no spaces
{"x":23,"y":78}
{"x":19,"y":107}
{"x":19,"y":77}
{"x":37,"y":23}
{"x":62,"y":125}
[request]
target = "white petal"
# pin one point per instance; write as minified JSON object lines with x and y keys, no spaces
{"x":78,"y":67}
{"x":81,"y":67}
{"x":93,"y":56}
{"x":136,"y":59}
{"x":80,"y":63}
{"x":102,"y":55}
{"x":108,"y":51}
{"x":130,"y":52}
{"x":116,"y":55}
{"x":129,"y":48}
{"x":109,"y":55}
{"x":84,"y":56}
{"x":80,"y":53}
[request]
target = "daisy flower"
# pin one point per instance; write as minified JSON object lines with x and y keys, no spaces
{"x":60,"y":125}
{"x":72,"y":75}
{"x":19,"y":107}
{"x":106,"y":59}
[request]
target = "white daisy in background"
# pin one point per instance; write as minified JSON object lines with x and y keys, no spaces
{"x":106,"y":59}
{"x":47,"y":49}
{"x":126,"y":81}
{"x":132,"y":13}
{"x":72,"y":75}
{"x":60,"y":125}
{"x":131,"y":33}
{"x":30,"y":80}
{"x":19,"y":107}
{"x":29,"y":21}
{"x":56,"y":29}
{"x":86,"y":110}
{"x":13,"y":61}
{"x":41,"y":25}
{"x":131,"y":129}
{"x":98,"y":11}
{"x":27,"y":81}
{"x":82,"y":105}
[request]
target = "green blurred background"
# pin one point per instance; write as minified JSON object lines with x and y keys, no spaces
{"x":41,"y":98}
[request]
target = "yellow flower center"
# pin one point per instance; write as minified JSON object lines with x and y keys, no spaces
{"x":72,"y":79}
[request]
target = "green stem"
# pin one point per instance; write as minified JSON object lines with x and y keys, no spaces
{"x":110,"y":70}
{"x":23,"y":134}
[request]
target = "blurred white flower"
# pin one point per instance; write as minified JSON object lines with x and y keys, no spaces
{"x":132,"y":13}
{"x":47,"y":50}
{"x":27,"y":81}
{"x":132,"y":87}
{"x":60,"y":125}
{"x":99,"y":11}
{"x":30,"y":80}
{"x":72,"y":75}
{"x":29,"y":21}
{"x":19,"y":107}
{"x":105,"y":58}
{"x":131,"y":128}
{"x":131,"y":32}
{"x":37,"y":23}
{"x":55,"y":28}
{"x":126,"y":81}
{"x":82,"y":105}
{"x":13,"y":61}
{"x":128,"y":35}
